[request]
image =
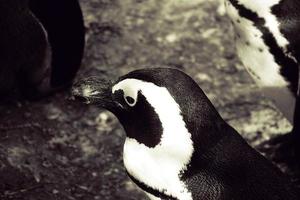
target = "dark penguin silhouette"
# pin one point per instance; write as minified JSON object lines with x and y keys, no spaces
{"x":41,"y":45}
{"x":177,"y":145}
{"x":268,"y":44}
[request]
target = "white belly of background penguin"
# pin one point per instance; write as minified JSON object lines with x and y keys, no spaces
{"x":264,"y":50}
{"x":177,"y":145}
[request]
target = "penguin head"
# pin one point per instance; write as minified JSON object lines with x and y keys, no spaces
{"x":168,"y":122}
{"x":149,"y":101}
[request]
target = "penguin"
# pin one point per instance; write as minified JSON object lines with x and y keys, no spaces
{"x":268,"y":44}
{"x":41,"y":46}
{"x":177,"y":146}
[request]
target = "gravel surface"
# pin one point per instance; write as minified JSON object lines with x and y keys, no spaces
{"x":56,"y":149}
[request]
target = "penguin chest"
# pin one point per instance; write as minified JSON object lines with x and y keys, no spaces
{"x":258,"y":61}
{"x":253,"y":52}
{"x":155,"y":168}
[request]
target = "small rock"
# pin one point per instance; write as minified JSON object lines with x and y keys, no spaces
{"x":55,"y":191}
{"x":171,"y":38}
{"x":203,"y":77}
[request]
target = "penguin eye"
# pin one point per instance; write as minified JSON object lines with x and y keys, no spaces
{"x":129,"y":100}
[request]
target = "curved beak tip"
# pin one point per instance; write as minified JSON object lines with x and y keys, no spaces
{"x":77,"y":93}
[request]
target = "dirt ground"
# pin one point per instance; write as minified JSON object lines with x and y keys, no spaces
{"x":55,"y":149}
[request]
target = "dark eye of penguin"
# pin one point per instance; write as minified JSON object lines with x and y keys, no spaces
{"x":130,"y":100}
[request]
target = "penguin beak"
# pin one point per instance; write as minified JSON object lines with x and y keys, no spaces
{"x":96,"y":91}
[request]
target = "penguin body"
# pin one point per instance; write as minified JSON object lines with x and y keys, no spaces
{"x":34,"y":54}
{"x":177,"y":145}
{"x":25,"y":51}
{"x":64,"y":24}
{"x":267,"y":46}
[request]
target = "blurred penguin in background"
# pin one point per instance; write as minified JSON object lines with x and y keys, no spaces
{"x":268,"y":44}
{"x":41,"y":46}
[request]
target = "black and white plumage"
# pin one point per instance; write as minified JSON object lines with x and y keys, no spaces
{"x":268,"y":44}
{"x":177,"y":145}
{"x":41,"y":45}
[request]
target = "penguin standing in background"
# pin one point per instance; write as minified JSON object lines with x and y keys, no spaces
{"x":41,"y":45}
{"x":268,"y":44}
{"x":177,"y":145}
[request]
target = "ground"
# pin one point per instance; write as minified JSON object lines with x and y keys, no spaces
{"x":55,"y":149}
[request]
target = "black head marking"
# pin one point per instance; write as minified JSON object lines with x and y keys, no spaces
{"x":140,"y":121}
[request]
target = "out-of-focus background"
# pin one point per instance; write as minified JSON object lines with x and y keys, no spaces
{"x":55,"y":149}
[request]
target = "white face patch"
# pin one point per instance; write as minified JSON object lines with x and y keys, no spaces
{"x":159,"y":167}
{"x":255,"y":55}
{"x":129,"y":89}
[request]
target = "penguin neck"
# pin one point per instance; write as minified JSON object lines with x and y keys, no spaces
{"x":206,"y":130}
{"x":214,"y":147}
